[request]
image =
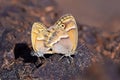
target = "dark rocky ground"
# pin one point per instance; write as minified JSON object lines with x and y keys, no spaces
{"x":97,"y":57}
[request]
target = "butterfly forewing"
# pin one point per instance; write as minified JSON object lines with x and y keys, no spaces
{"x":37,"y":36}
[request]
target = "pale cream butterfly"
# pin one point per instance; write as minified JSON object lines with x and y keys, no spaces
{"x":62,"y":37}
{"x":39,"y":35}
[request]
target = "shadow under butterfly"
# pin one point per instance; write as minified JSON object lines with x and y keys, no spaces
{"x":22,"y":50}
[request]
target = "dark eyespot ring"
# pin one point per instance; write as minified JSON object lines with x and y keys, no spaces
{"x":62,"y":25}
{"x":50,"y":49}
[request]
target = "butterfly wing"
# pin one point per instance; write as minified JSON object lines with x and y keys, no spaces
{"x":69,"y":24}
{"x":66,"y":31}
{"x":38,"y":37}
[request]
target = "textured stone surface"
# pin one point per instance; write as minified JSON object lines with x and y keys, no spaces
{"x":95,"y":46}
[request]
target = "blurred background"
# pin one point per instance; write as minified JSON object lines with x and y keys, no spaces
{"x":98,"y":13}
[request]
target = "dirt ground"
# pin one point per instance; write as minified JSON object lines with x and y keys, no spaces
{"x":97,"y":57}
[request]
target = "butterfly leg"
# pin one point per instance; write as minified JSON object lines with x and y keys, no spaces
{"x":61,"y":58}
{"x":44,"y":57}
{"x":69,"y":58}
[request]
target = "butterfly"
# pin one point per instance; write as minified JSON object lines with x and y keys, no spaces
{"x":61,"y":38}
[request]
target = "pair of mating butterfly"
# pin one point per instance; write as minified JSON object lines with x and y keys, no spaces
{"x":60,"y":38}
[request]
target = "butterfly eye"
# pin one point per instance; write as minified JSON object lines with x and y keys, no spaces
{"x":62,"y":25}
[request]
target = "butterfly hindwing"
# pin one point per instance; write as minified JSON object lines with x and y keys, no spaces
{"x":66,"y":30}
